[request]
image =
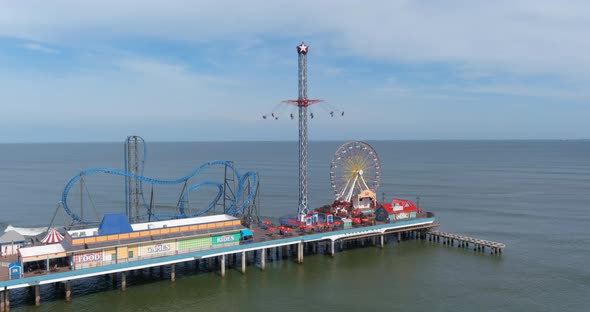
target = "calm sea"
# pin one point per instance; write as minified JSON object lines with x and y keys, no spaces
{"x":533,"y":196}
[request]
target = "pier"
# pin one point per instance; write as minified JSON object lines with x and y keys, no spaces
{"x":464,"y":241}
{"x":264,"y":248}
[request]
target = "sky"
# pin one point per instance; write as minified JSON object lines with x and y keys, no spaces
{"x":94,"y":71}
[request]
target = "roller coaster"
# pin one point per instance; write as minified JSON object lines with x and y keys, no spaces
{"x":240,"y":200}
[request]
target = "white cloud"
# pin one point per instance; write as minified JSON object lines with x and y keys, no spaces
{"x":480,"y":41}
{"x":39,"y":47}
{"x":525,"y":35}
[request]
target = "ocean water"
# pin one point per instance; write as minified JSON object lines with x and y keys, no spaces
{"x":533,"y":196}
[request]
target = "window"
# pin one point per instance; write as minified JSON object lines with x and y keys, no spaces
{"x":130,"y":254}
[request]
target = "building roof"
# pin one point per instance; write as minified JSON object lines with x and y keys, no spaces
{"x":114,"y":223}
{"x":400,"y":205}
{"x":180,"y":235}
{"x":26,"y":252}
{"x":367,"y":194}
{"x":10,"y":237}
{"x":88,"y":232}
{"x":181,"y":222}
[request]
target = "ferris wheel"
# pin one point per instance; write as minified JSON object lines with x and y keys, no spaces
{"x":355,"y":167}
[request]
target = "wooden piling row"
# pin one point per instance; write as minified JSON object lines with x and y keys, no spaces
{"x":464,"y":241}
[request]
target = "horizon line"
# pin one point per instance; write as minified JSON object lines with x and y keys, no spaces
{"x":286,"y":141}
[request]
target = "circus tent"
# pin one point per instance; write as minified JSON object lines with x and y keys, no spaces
{"x":52,"y":237}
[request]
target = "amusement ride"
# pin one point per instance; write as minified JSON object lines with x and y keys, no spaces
{"x":236,"y":193}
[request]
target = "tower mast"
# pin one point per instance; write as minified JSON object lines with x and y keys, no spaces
{"x":302,"y":50}
{"x":302,"y":104}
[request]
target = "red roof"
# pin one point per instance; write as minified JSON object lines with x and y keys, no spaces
{"x":406,"y":204}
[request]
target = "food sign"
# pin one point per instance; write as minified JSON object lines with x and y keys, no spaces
{"x":88,"y":257}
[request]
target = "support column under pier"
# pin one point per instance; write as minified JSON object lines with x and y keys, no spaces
{"x":5,"y":300}
{"x":37,"y":295}
{"x":123,"y":280}
{"x":243,"y":262}
{"x":222,"y":265}
{"x":332,"y":248}
{"x":173,"y":272}
{"x":262,"y":260}
{"x":68,"y":291}
{"x":300,"y":252}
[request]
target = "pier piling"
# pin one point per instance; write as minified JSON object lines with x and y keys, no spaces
{"x":262,"y":262}
{"x":300,"y":253}
{"x":172,"y":272}
{"x":463,"y":242}
{"x":243,"y":262}
{"x":222,"y":265}
{"x":37,"y":295}
{"x":68,"y":291}
{"x":123,"y":281}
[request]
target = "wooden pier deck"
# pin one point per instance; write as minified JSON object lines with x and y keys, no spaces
{"x":464,"y":241}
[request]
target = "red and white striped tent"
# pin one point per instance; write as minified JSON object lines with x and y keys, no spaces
{"x":52,"y":237}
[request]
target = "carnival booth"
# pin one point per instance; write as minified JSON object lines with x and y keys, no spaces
{"x":48,"y":257}
{"x":365,"y":201}
{"x":42,"y":258}
{"x":381,"y":214}
{"x":400,"y":209}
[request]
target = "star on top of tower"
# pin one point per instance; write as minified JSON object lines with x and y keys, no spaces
{"x":302,"y":48}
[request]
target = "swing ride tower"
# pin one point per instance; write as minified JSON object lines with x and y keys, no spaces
{"x":302,"y":104}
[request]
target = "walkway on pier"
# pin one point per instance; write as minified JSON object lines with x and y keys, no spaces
{"x":478,"y":244}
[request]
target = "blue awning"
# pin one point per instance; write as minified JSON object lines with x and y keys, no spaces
{"x":247,"y":232}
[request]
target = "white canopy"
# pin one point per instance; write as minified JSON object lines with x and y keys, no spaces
{"x":45,"y":250}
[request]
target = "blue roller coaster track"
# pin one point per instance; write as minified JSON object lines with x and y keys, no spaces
{"x":236,"y":207}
